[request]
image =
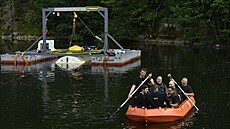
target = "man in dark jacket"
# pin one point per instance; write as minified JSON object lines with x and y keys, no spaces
{"x":155,"y":98}
{"x":161,"y":86}
{"x":186,"y":88}
{"x":138,"y":81}
{"x":172,"y":98}
{"x":140,"y":100}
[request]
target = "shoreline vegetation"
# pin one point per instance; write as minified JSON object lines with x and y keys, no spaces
{"x":27,"y":37}
{"x":196,"y":22}
{"x":146,"y":41}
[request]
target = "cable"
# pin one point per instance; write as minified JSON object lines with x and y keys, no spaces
{"x":90,"y":30}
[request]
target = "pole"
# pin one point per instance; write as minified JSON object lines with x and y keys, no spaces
{"x":170,"y":76}
{"x":132,"y":94}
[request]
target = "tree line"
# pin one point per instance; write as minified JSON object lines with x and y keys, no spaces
{"x":197,"y":21}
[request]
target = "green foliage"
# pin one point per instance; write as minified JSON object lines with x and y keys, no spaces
{"x":197,"y":21}
{"x":29,"y":25}
{"x":204,"y":20}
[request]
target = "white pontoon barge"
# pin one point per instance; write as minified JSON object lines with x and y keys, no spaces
{"x":119,"y":57}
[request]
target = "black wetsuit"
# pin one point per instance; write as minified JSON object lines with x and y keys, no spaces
{"x":138,"y":81}
{"x":186,"y":89}
{"x":156,"y":99}
{"x":179,"y":93}
{"x":173,"y":99}
{"x":162,"y":88}
{"x":140,"y":100}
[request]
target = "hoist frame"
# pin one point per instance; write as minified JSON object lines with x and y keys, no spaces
{"x":77,"y":9}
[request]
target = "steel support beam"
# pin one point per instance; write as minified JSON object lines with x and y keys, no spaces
{"x":74,"y":9}
{"x":44,"y":49}
{"x":106,"y":30}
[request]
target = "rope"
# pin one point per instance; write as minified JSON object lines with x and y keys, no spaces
{"x":90,"y":30}
{"x":86,"y":26}
{"x":34,"y":43}
{"x":22,"y":56}
{"x":105,"y":60}
{"x":73,"y":31}
{"x":15,"y":59}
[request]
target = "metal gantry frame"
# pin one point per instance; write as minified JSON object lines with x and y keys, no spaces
{"x":77,"y":9}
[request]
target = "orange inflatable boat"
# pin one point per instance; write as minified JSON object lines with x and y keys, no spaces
{"x":160,"y":114}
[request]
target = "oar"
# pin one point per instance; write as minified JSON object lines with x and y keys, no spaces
{"x":170,"y":76}
{"x":132,"y":94}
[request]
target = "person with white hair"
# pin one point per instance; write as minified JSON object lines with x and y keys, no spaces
{"x":186,"y":88}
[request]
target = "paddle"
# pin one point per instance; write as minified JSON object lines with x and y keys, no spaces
{"x":132,"y":94}
{"x":170,"y":76}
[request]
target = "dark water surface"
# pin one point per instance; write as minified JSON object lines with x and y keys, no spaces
{"x":46,"y":96}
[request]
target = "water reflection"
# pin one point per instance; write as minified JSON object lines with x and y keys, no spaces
{"x":111,"y":69}
{"x":39,"y":68}
{"x":106,"y":70}
{"x":46,"y":96}
{"x":45,"y":75}
{"x":76,"y":75}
